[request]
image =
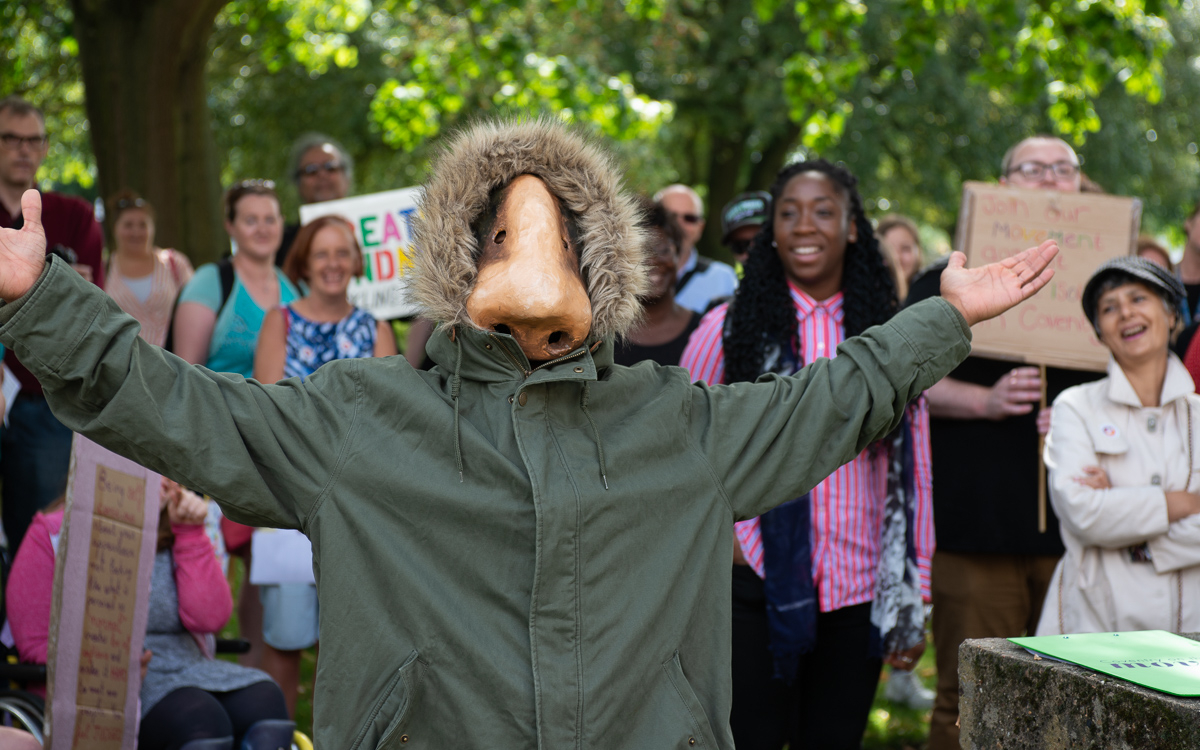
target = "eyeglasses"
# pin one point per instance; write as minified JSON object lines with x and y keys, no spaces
{"x":689,"y":218}
{"x":1034,"y":170}
{"x":308,"y":170}
{"x":125,"y":203}
{"x":13,"y":142}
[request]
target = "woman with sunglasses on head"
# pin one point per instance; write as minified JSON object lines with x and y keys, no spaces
{"x":220,"y":331}
{"x":295,"y":340}
{"x":828,"y":585}
{"x":145,"y":280}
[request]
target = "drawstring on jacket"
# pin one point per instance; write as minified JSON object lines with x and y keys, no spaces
{"x":583,"y":403}
{"x":455,"y":387}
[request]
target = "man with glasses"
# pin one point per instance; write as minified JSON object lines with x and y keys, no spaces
{"x":992,"y":566}
{"x":701,"y":280}
{"x":35,"y":448}
{"x":322,"y":171}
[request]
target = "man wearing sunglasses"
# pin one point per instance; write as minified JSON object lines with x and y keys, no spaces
{"x":701,"y":280}
{"x":35,"y":448}
{"x":322,"y":171}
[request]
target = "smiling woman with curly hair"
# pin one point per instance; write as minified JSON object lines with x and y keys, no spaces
{"x":812,"y":620}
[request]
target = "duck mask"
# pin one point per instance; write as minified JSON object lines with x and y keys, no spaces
{"x":524,"y":230}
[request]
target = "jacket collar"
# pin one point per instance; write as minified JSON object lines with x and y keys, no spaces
{"x":495,"y":357}
{"x":1177,"y":383}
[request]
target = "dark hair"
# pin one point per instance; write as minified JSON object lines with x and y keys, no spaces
{"x":655,"y":217}
{"x":762,"y":310}
{"x":124,"y":200}
{"x":244,"y":188}
{"x":296,"y":263}
{"x":20,"y":108}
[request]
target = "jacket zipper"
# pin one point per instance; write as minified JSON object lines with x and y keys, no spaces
{"x":527,"y":373}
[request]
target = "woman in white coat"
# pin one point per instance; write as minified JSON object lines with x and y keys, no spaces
{"x":1122,"y":465}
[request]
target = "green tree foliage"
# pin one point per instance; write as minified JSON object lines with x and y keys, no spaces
{"x":914,"y":95}
{"x":39,"y":60}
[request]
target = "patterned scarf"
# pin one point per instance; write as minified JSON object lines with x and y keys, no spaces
{"x":897,"y":611}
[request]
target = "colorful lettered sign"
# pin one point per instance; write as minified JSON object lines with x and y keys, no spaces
{"x":383,"y":223}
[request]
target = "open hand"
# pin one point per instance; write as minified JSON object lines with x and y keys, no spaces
{"x":23,"y":251}
{"x":985,"y":292}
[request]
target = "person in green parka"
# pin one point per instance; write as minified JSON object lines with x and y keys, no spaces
{"x":526,"y":546}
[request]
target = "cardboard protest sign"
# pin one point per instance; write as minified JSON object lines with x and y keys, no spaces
{"x":1155,"y":659}
{"x":996,"y":222}
{"x":383,"y":224}
{"x":103,"y":564}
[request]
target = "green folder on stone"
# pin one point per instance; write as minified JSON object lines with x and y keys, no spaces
{"x":1155,"y":659}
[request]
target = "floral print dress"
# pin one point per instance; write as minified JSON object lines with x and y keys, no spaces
{"x":311,"y":344}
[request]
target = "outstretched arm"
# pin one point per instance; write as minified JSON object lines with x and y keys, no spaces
{"x":264,"y":452}
{"x":771,"y":441}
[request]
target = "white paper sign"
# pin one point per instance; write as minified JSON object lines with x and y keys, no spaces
{"x":280,"y":556}
{"x":383,"y":224}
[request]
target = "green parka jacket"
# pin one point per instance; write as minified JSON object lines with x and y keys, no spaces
{"x":506,"y":557}
{"x":525,"y":605}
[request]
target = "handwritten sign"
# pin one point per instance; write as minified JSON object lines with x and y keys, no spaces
{"x":101,"y":590}
{"x":996,"y":222}
{"x":383,"y":224}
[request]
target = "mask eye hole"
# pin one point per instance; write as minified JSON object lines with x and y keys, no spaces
{"x":499,"y":238}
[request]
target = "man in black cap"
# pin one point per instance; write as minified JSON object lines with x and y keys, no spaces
{"x":740,"y":221}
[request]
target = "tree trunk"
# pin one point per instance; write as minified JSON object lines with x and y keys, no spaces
{"x":774,"y":155}
{"x":143,"y":71}
{"x":724,"y":171}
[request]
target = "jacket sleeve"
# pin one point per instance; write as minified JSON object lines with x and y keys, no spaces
{"x":264,"y":452}
{"x":204,"y":599}
{"x":1179,"y":548}
{"x":1112,"y":518}
{"x":770,"y":441}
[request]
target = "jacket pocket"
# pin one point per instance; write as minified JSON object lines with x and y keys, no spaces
{"x":392,"y":712}
{"x":702,"y":733}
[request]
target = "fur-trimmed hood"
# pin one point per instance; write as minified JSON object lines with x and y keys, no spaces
{"x":489,"y":155}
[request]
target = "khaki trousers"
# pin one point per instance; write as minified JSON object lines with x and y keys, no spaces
{"x":979,"y":596}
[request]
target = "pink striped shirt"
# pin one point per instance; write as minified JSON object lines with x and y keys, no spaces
{"x":847,"y":507}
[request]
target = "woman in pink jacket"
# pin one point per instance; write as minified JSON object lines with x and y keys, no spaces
{"x":189,"y":700}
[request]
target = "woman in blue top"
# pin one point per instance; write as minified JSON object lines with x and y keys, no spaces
{"x":221,"y":334}
{"x":296,"y":339}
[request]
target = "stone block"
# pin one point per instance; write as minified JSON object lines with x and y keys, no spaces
{"x":1011,"y":699}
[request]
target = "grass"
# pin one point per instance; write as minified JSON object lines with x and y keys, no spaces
{"x":889,"y":727}
{"x":894,"y":727}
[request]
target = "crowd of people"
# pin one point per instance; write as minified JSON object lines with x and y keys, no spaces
{"x":826,"y":589}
